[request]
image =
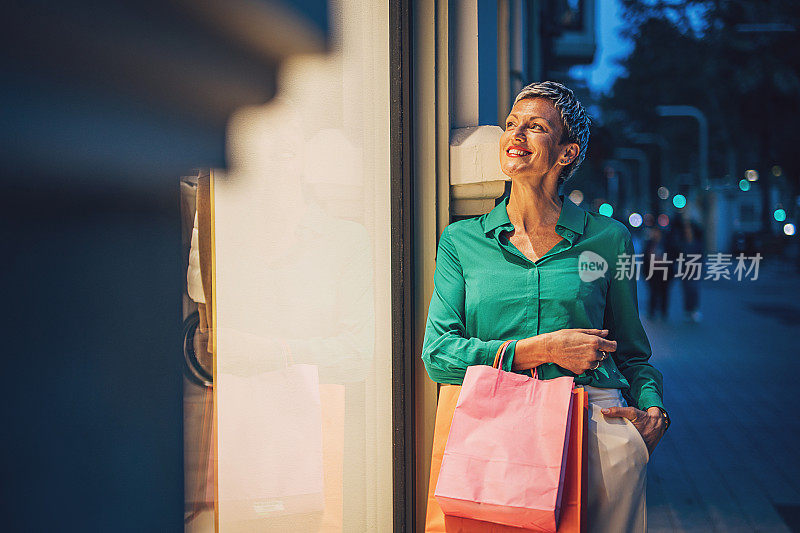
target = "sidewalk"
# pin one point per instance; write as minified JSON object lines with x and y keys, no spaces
{"x":730,"y":459}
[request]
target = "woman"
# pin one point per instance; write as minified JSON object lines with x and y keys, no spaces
{"x":515,"y":273}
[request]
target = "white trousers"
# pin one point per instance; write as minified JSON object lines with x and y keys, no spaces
{"x":617,"y":468}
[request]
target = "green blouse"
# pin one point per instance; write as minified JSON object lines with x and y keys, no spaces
{"x":486,"y":291}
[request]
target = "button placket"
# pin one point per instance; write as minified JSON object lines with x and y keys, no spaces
{"x":534,"y":303}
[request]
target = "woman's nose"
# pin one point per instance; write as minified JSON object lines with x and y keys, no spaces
{"x":519,"y":134}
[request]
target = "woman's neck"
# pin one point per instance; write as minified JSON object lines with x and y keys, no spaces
{"x":532,"y":207}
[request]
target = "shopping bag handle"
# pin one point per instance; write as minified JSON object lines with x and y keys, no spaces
{"x":498,"y":359}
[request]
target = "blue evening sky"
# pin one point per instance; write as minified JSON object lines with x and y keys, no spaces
{"x":611,"y":46}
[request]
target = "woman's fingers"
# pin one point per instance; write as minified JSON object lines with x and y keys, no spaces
{"x":621,"y":412}
{"x":578,"y":349}
{"x":598,"y":332}
{"x":607,"y":345}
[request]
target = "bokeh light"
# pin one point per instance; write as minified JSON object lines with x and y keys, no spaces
{"x":788,"y":228}
{"x":679,"y":201}
{"x":779,"y":214}
{"x":744,"y":185}
{"x":751,"y":175}
{"x":663,"y":220}
{"x":635,"y":220}
{"x":663,"y":192}
{"x":777,"y":171}
{"x":606,"y":209}
{"x":576,"y":196}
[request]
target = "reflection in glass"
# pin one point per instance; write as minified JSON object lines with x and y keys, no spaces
{"x":301,"y":229}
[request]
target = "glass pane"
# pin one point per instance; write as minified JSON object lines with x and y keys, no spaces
{"x":301,"y":298}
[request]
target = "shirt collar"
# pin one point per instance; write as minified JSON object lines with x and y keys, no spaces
{"x":572,"y":218}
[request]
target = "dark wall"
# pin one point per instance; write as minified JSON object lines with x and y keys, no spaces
{"x":92,"y":398}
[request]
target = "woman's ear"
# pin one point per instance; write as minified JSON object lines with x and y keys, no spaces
{"x":570,"y":154}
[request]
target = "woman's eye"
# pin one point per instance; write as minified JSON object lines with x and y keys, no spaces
{"x":508,"y":125}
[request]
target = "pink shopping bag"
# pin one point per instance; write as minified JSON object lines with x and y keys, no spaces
{"x":270,"y":466}
{"x":505,"y":456}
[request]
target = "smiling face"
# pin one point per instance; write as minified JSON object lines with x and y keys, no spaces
{"x":531,"y":143}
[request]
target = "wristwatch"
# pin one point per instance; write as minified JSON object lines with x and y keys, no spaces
{"x":665,"y":416}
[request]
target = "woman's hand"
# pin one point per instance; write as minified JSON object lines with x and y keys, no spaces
{"x":650,"y":423}
{"x":578,"y":350}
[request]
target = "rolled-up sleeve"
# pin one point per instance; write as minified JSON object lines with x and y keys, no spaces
{"x":448,"y":349}
{"x":633,"y":348}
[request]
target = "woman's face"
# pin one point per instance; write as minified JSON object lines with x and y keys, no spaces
{"x":531,"y":143}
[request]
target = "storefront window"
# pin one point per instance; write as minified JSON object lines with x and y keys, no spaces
{"x":299,"y":319}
